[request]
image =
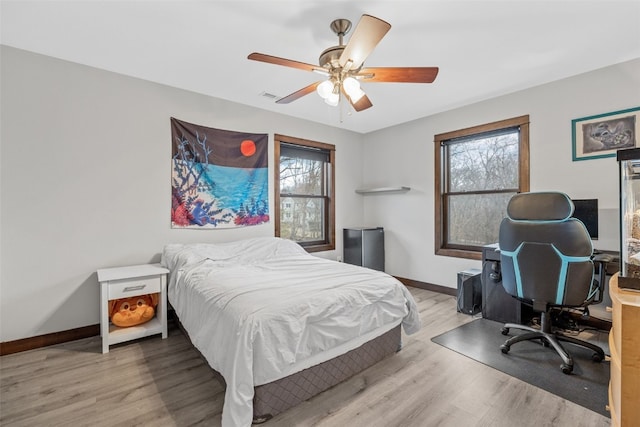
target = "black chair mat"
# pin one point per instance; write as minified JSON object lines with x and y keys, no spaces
{"x":528,"y":361}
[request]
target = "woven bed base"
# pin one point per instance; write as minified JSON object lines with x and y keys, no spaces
{"x":275,"y":397}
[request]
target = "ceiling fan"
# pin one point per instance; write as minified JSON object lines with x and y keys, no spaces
{"x":343,"y":65}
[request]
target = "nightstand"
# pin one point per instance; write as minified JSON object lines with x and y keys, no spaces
{"x":124,"y":282}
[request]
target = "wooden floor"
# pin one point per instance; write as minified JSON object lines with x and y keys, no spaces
{"x":165,"y":383}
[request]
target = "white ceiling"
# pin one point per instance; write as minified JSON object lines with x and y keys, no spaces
{"x":483,"y":48}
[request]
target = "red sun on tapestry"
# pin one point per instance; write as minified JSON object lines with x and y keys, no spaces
{"x":248,"y":148}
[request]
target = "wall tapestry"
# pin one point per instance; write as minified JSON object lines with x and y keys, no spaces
{"x":219,"y":178}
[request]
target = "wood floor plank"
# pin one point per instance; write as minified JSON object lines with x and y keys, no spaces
{"x":166,"y":383}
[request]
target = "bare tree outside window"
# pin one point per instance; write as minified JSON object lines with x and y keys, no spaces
{"x":488,"y":164}
{"x":477,"y":171}
{"x":304,"y":200}
{"x":301,"y":217}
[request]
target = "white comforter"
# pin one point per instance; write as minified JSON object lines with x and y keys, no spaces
{"x":261,"y":309}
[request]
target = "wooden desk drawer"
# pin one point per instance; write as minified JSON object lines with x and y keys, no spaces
{"x":132,"y":287}
{"x":616,"y":325}
{"x":615,"y":381}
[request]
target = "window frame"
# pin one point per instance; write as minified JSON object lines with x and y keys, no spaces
{"x":329,"y":197}
{"x":442,"y":247}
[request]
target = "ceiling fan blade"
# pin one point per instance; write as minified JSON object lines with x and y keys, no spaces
{"x":298,"y":94}
{"x":362,"y":104}
{"x":255,"y":56}
{"x":399,"y":74}
{"x":368,"y":33}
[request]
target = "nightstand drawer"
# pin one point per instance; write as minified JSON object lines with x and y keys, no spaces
{"x":132,"y":287}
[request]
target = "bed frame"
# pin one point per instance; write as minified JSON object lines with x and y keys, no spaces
{"x":277,"y":396}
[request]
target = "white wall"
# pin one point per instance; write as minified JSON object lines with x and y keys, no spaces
{"x":85,"y":182}
{"x":85,"y":176}
{"x":404,"y":155}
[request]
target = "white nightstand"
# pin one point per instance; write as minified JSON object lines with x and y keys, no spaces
{"x":123,"y":282}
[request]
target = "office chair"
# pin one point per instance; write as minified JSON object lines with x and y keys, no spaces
{"x":547,"y":262}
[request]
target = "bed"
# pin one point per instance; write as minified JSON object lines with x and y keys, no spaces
{"x":268,"y":317}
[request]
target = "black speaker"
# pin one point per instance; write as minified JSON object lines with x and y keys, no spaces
{"x":469,"y":291}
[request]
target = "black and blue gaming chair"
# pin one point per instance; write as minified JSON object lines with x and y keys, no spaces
{"x":547,"y":262}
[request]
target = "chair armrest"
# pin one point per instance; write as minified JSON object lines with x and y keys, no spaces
{"x":603,"y":258}
{"x":600,"y":262}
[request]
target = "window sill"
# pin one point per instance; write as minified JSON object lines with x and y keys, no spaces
{"x":319,"y":248}
{"x":460,"y":253}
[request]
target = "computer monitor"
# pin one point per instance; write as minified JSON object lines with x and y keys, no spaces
{"x":586,"y":210}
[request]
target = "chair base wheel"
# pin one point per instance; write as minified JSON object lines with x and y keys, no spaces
{"x":505,"y":348}
{"x":566,"y":369}
{"x":505,"y":331}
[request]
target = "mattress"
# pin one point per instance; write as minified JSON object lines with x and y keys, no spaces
{"x":262,"y":309}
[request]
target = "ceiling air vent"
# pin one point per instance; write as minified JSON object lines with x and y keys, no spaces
{"x":268,"y":95}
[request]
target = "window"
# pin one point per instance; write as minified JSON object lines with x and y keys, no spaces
{"x":304,"y":197}
{"x":477,"y":170}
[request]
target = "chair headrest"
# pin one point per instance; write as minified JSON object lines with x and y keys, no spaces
{"x":540,"y":206}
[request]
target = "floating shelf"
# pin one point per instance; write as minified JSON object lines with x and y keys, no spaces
{"x":381,"y":190}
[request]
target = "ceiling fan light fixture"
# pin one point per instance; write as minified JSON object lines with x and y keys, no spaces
{"x":352,"y":87}
{"x":350,"y":84}
{"x":325,"y":89}
{"x":333,"y":99}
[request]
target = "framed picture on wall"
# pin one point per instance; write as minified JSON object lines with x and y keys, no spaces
{"x":599,"y":136}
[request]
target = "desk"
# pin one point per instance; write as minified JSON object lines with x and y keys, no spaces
{"x":624,"y":344}
{"x":498,"y":305}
